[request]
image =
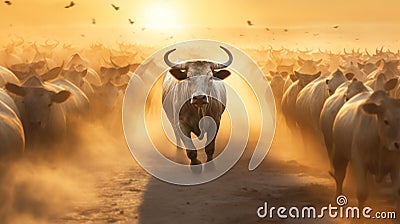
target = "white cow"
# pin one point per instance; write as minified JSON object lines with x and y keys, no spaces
{"x":7,"y":76}
{"x":42,"y":115}
{"x":366,"y":133}
{"x":290,"y":96}
{"x":333,"y":104}
{"x":12,"y":139}
{"x":311,"y":98}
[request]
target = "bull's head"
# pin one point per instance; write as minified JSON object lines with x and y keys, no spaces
{"x":37,"y":102}
{"x":386,"y":109}
{"x":200,"y":76}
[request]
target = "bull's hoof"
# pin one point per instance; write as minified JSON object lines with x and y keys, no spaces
{"x":209,"y":166}
{"x":195,"y":162}
{"x":209,"y":159}
{"x":197,"y":168}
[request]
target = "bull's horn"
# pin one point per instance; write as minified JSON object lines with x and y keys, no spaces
{"x":227,"y":63}
{"x":36,"y":49}
{"x":170,"y":63}
{"x":52,"y":46}
{"x":366,"y":51}
{"x":113,"y":63}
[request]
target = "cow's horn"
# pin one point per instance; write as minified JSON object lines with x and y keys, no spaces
{"x":227,"y":63}
{"x":170,"y":63}
{"x":113,"y":63}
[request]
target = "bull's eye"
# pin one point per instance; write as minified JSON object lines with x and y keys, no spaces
{"x":386,"y":122}
{"x":49,"y":105}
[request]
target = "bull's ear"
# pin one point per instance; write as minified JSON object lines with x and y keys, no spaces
{"x":178,"y":73}
{"x":84,"y":73}
{"x":349,"y":76}
{"x":316,"y":75}
{"x":20,"y":67}
{"x":52,"y":74}
{"x":372,"y":108}
{"x":124,"y":70}
{"x":38,"y":65}
{"x":390,"y":84}
{"x":60,"y":96}
{"x":222,"y":74}
{"x":17,"y":90}
{"x":21,"y":75}
{"x":293,"y":77}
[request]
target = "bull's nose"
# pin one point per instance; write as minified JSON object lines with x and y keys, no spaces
{"x":200,"y":97}
{"x":199,"y":100}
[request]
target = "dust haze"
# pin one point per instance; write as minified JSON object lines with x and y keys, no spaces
{"x":93,"y":176}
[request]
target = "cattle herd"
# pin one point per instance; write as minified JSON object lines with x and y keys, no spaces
{"x":346,"y":101}
{"x":345,"y":105}
{"x":47,"y":89}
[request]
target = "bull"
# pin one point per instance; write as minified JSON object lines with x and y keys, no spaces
{"x":197,"y":86}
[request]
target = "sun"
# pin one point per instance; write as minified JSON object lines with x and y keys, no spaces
{"x":161,"y":16}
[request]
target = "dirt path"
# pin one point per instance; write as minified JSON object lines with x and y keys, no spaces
{"x":119,"y":191}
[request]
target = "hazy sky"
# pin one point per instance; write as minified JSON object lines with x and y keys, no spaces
{"x":205,"y":13}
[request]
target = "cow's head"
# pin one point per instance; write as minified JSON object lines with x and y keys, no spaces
{"x":37,"y":102}
{"x":355,"y":87}
{"x":387,"y":111}
{"x":200,"y":76}
{"x":76,"y":77}
{"x":336,"y":79}
{"x":113,"y":74}
{"x":305,"y":79}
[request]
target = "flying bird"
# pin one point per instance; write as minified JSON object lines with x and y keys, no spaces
{"x":267,"y":29}
{"x":335,"y":27}
{"x":131,"y":21}
{"x":249,"y":23}
{"x":93,"y":21}
{"x":115,"y":7}
{"x":70,"y":5}
{"x":286,"y":30}
{"x":8,"y":2}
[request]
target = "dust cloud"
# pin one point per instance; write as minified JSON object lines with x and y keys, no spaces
{"x":47,"y":183}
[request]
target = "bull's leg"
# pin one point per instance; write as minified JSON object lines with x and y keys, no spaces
{"x":360,"y":172}
{"x":339,"y":164}
{"x":210,"y":148}
{"x":192,"y":154}
{"x":394,"y":176}
{"x":177,"y":138}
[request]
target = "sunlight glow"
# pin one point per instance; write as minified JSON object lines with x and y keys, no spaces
{"x":161,"y":16}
